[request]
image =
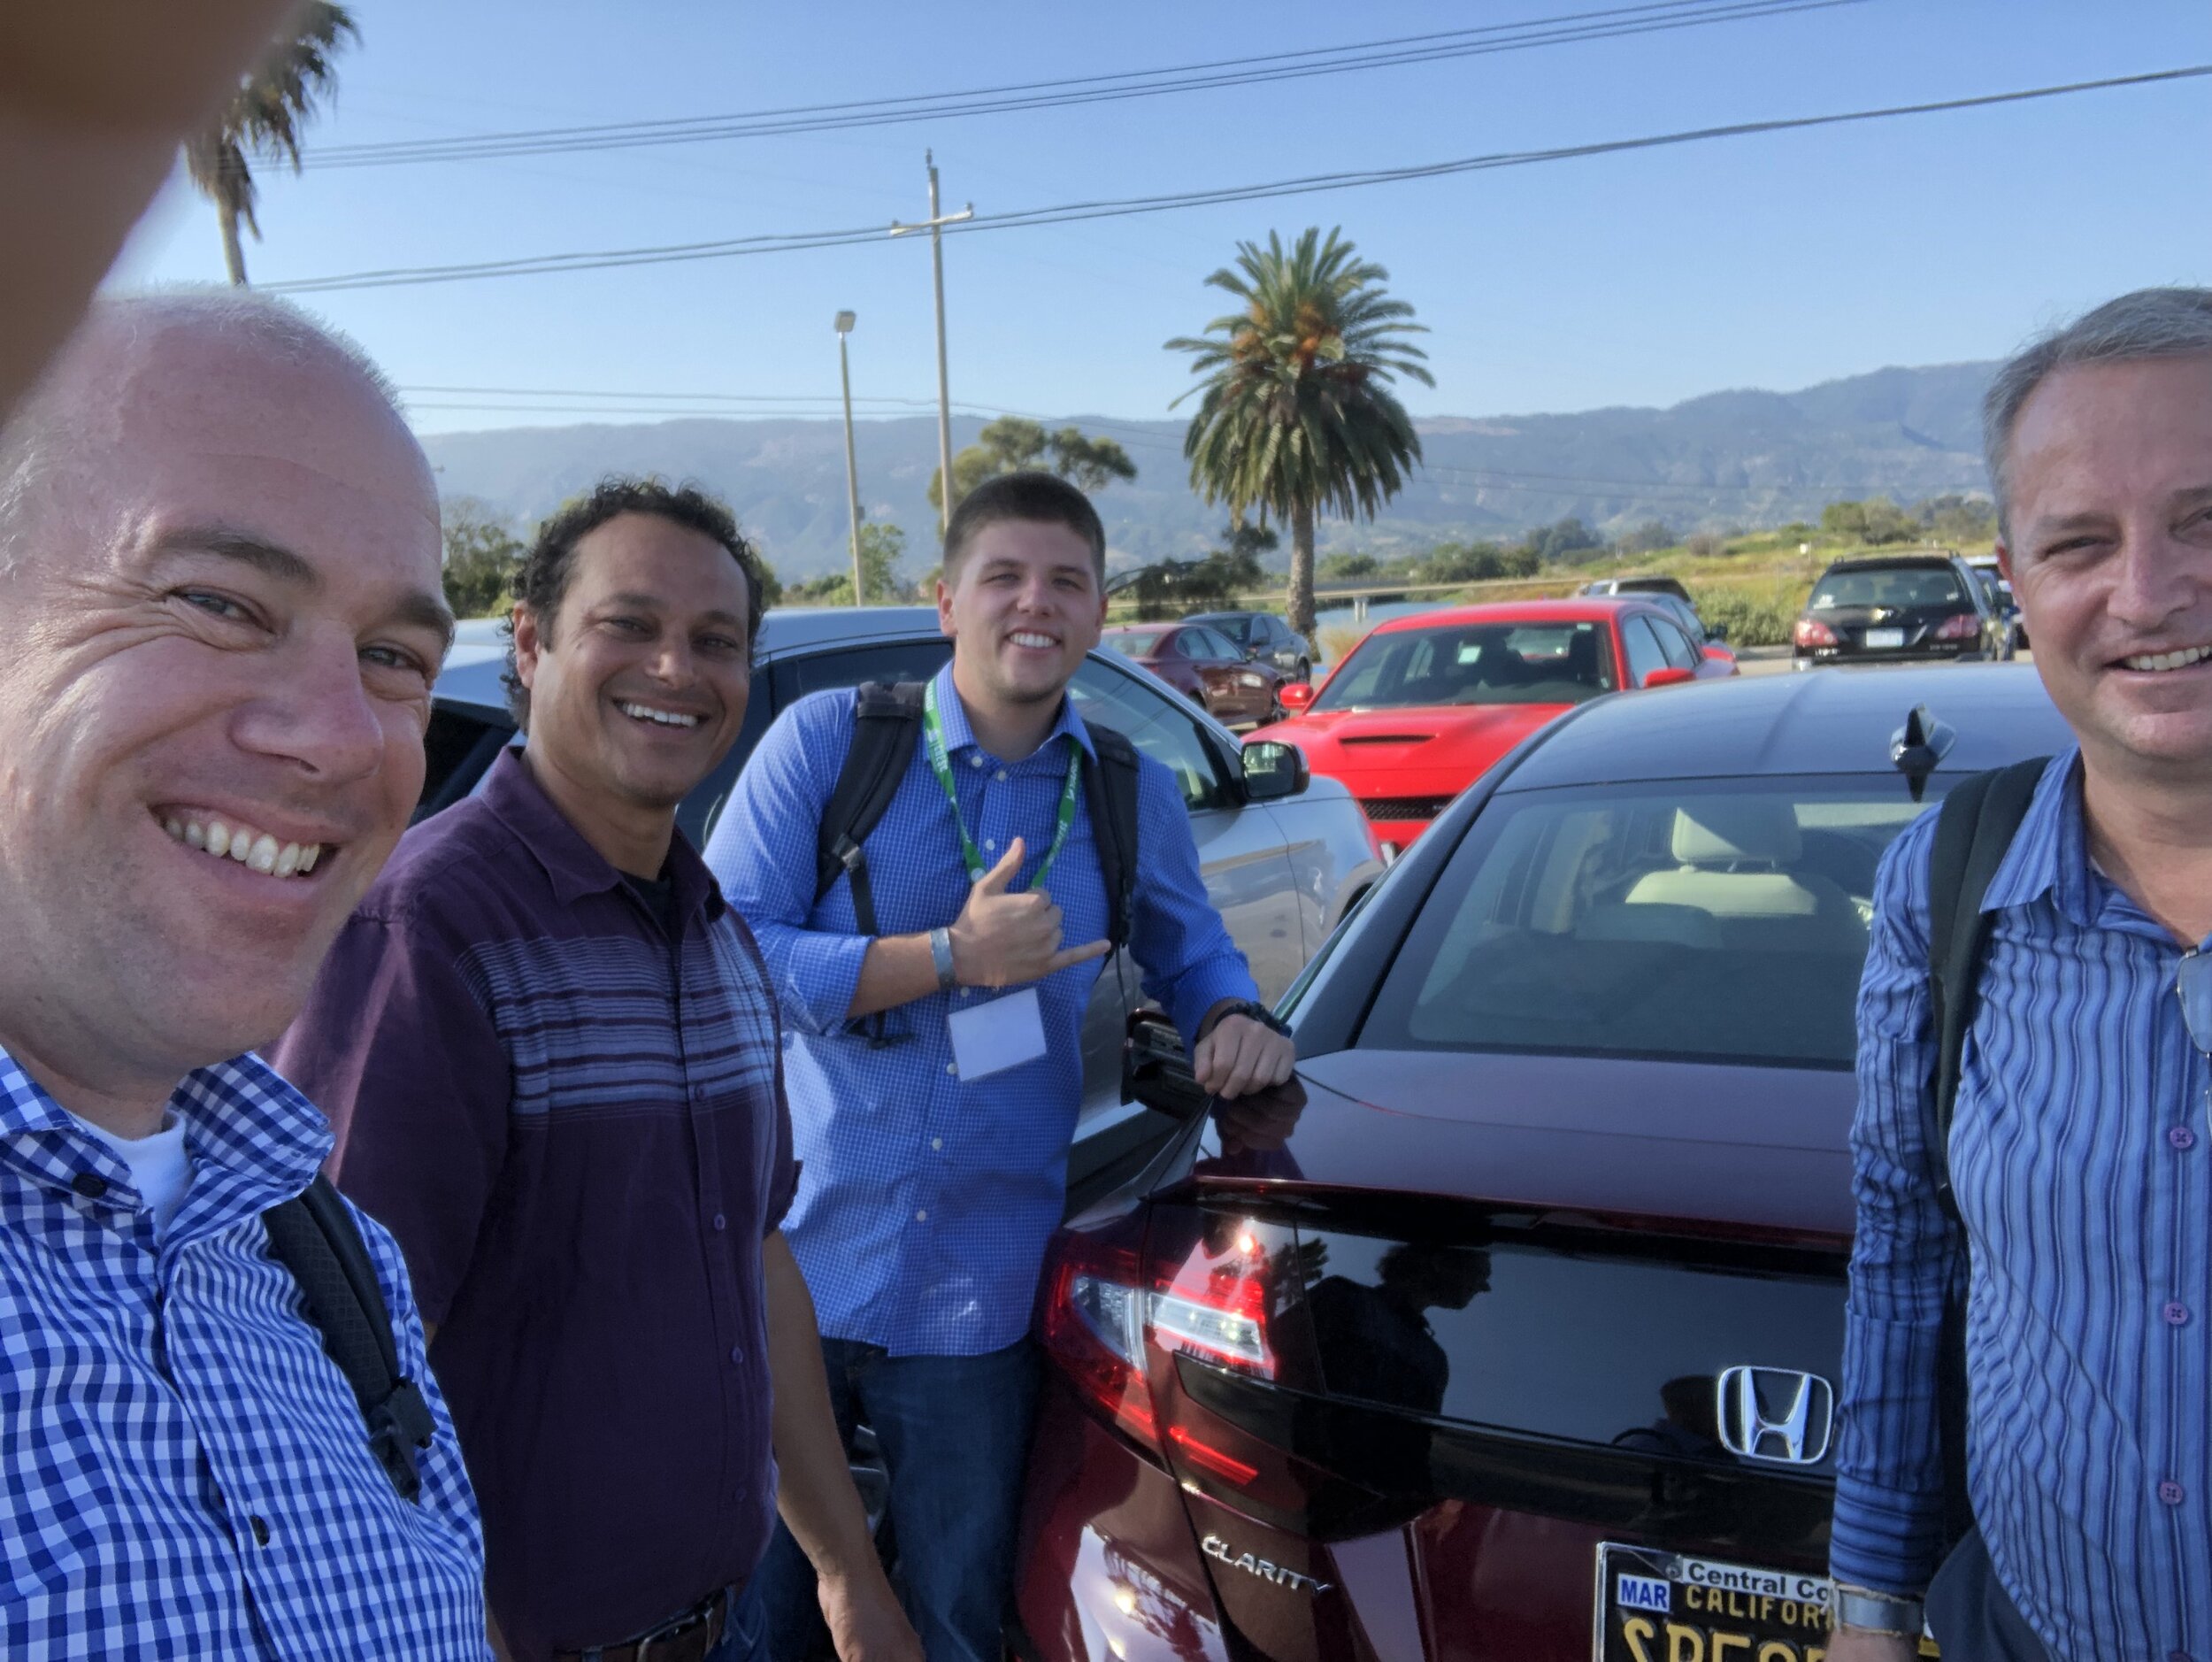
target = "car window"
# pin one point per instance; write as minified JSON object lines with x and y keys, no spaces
{"x":1473,"y":664}
{"x":1674,"y":645}
{"x":1214,"y":644}
{"x":1136,"y":643}
{"x":1693,"y":920}
{"x":1888,"y":586}
{"x":879,"y":660}
{"x":1642,"y":645}
{"x":1155,"y":724}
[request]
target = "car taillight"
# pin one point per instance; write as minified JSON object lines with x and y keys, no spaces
{"x":1965,"y":627}
{"x":1093,"y":1327}
{"x":1812,"y":632}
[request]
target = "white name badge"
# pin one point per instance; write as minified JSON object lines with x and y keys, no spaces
{"x":990,"y":1038}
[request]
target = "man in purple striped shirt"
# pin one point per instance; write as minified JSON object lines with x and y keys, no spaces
{"x":554,"y":1058}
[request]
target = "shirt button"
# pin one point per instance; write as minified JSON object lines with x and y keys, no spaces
{"x":965,"y":991}
{"x":1000,"y":776}
{"x":975,"y":761}
{"x":922,"y":1216}
{"x":2172,"y":1493}
{"x":2182,"y":1137}
{"x":260,"y":1529}
{"x":698,"y":1093}
{"x":2176,"y":1313}
{"x":720,"y":1222}
{"x":91,"y":1185}
{"x":737,"y":1353}
{"x":936,"y":1143}
{"x":990,"y":845}
{"x":952,"y":1067}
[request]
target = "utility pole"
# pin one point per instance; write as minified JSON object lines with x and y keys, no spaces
{"x":935,"y":224}
{"x":852,"y":472}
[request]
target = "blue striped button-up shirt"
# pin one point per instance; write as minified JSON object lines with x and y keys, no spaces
{"x":186,"y":1474}
{"x":2081,"y":1160}
{"x":927,"y":1200}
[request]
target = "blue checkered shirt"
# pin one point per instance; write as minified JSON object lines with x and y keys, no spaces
{"x":186,"y":1473}
{"x":2081,"y":1160}
{"x":927,"y":1200}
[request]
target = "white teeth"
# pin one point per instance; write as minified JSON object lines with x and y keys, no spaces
{"x":667,"y":718}
{"x":257,"y":851}
{"x":2168,"y":660}
{"x":1032,"y":640}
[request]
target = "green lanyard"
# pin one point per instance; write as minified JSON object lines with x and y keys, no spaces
{"x":934,"y":739}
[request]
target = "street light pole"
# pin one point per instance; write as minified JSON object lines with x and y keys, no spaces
{"x":845,"y":320}
{"x":935,"y":224}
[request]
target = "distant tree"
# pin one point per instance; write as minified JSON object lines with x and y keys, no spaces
{"x":1955,"y":519}
{"x":1344,"y":567}
{"x":1569,"y":537}
{"x":1708,"y":545}
{"x":264,"y":117}
{"x":1874,"y":522}
{"x":482,"y":554}
{"x":1647,"y":538}
{"x":1011,"y":443}
{"x":1174,"y":588}
{"x":1296,"y":416}
{"x":881,"y":546}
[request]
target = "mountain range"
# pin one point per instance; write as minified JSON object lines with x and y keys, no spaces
{"x":1727,"y":459}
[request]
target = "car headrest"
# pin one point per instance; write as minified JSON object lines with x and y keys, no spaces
{"x":1724,"y":828}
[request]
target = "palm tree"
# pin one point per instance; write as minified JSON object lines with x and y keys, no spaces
{"x":1297,"y":414}
{"x":264,"y":117}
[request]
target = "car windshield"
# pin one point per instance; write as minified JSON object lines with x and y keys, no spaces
{"x":1243,"y":631}
{"x":1474,"y":664}
{"x":1690,"y":920}
{"x":1137,"y":643}
{"x":1887,"y":586}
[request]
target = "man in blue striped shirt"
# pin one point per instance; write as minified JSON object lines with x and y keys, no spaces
{"x":2080,"y":1155}
{"x":935,"y":1162}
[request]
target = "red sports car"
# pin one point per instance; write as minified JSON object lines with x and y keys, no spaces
{"x":1425,"y":705}
{"x":1206,"y":667}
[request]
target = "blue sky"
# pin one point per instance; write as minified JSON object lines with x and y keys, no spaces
{"x":1773,"y":261}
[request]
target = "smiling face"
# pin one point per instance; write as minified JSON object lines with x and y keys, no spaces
{"x":2109,"y":552}
{"x":639,"y":688}
{"x":226,"y":611}
{"x":1024,"y":607}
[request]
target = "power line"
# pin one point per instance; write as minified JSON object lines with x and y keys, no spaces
{"x":1121,"y":207}
{"x":1656,"y":16}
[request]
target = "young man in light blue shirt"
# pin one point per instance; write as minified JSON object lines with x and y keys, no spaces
{"x":934,"y":1141}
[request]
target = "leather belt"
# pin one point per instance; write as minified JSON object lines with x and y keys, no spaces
{"x":687,"y":1636}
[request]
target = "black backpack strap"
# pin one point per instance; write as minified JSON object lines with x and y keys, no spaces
{"x":1109,"y":789}
{"x":886,"y":725}
{"x":314,"y":1237}
{"x":1974,"y":828}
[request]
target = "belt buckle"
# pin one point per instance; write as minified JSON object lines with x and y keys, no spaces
{"x":676,"y":1626}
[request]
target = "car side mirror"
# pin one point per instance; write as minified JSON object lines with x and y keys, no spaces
{"x":1273,"y":769}
{"x":1296,"y":695}
{"x":1668,"y":677}
{"x":1717,"y":632}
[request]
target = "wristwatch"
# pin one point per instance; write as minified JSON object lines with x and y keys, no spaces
{"x":1870,"y":1612}
{"x":1253,"y":1008}
{"x":941,"y":955}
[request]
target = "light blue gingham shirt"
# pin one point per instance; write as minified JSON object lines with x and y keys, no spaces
{"x":924,"y":1201}
{"x":186,"y":1475}
{"x":2081,"y":1160}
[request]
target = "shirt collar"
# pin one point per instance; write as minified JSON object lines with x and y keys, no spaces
{"x":241,"y":1116}
{"x":2050,"y":853}
{"x":572,"y":865}
{"x":960,"y":737}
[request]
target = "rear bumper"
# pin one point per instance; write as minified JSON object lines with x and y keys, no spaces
{"x":1813,"y":657}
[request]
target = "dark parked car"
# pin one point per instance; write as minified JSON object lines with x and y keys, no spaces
{"x":1898,"y":609}
{"x":1523,"y":1348}
{"x":1261,"y":635}
{"x":1206,"y":667}
{"x":1284,"y":855}
{"x":2008,"y":604}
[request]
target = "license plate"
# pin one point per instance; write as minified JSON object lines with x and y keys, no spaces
{"x":1667,"y":1607}
{"x":1879,"y":639}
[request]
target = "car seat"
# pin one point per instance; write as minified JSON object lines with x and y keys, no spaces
{"x":1735,"y":856}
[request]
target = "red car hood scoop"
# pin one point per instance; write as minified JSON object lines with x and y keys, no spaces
{"x":1384,"y":738}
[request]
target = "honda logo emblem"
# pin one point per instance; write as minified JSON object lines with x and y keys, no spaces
{"x":1777,"y":1414}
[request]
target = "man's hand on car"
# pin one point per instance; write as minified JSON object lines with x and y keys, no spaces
{"x":1239,"y":1055}
{"x":1002,"y":939}
{"x":865,"y":1621}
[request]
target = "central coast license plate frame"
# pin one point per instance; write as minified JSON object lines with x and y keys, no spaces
{"x":1655,"y":1607}
{"x":1885,"y":640}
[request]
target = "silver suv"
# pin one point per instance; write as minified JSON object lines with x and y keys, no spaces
{"x":1282,"y":867}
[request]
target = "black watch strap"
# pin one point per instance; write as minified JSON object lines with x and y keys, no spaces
{"x":1258,"y":1012}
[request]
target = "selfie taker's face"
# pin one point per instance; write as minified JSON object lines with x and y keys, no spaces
{"x":227,"y":620}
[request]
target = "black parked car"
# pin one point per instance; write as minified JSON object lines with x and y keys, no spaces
{"x":1898,"y":609}
{"x":1261,"y":635}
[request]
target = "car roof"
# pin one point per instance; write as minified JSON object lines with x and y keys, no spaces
{"x":1821,"y":721}
{"x":1220,"y":617}
{"x":1581,"y":609}
{"x":1882,"y":562}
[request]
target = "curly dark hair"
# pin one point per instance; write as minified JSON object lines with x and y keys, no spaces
{"x":541,"y":581}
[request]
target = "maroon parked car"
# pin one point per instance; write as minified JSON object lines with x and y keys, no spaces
{"x":1205,"y":667}
{"x":1521,"y":1342}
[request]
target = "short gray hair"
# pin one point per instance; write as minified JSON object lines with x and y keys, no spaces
{"x":55,"y":416}
{"x":2150,"y":323}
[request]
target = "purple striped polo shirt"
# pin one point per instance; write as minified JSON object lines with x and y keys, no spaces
{"x":575,"y":1126}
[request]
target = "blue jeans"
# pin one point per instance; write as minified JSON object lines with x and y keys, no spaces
{"x":745,"y":1634}
{"x":954,"y":1435}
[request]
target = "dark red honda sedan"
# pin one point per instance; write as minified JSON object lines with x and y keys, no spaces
{"x":1511,"y":1332}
